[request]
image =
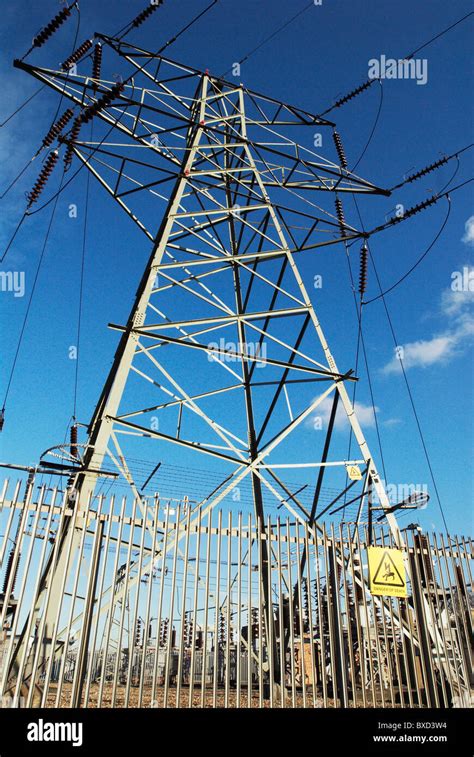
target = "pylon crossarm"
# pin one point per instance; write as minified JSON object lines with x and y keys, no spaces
{"x":151,"y":131}
{"x":303,"y":117}
{"x":203,"y":258}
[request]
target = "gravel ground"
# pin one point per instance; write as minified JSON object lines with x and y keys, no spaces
{"x":210,"y":701}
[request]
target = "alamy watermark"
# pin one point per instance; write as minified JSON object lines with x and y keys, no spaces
{"x":42,"y":730}
{"x":230,"y":351}
{"x":463,"y":281}
{"x":403,"y":68}
{"x":13,"y":281}
{"x":402,"y":492}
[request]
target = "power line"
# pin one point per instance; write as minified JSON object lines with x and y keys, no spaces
{"x":18,"y":177}
{"x":81,"y":286}
{"x":28,"y":100}
{"x":129,"y":79}
{"x":410,"y":212}
{"x":437,"y":36}
{"x":169,"y":42}
{"x":272,"y":35}
{"x":12,"y":238}
{"x":38,"y":152}
{"x":428,"y":169}
{"x":361,"y":341}
{"x":20,"y":107}
{"x":368,"y":82}
{"x":20,"y":340}
{"x":371,"y":135}
{"x":187,"y":26}
{"x":415,"y":413}
{"x":417,"y":263}
{"x":410,"y":395}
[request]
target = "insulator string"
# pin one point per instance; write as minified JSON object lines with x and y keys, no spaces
{"x":73,"y":137}
{"x":414,"y":210}
{"x":354,"y":93}
{"x":431,"y":167}
{"x":402,"y":366}
{"x":419,"y":260}
{"x":169,"y":42}
{"x":57,"y":128}
{"x":42,"y":179}
{"x":367,"y":84}
{"x":340,"y":149}
{"x":426,"y":170}
{"x":12,"y":183}
{"x":73,"y":176}
{"x":76,"y":55}
{"x":340,"y":216}
{"x":363,"y":269}
{"x":73,"y":439}
{"x":97,"y":65}
{"x":138,"y":20}
{"x":103,"y":102}
{"x":51,"y":27}
{"x":361,"y":348}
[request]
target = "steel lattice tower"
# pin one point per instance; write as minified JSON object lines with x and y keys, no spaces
{"x":222,"y":293}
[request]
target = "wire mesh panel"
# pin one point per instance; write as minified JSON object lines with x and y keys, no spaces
{"x":167,"y":609}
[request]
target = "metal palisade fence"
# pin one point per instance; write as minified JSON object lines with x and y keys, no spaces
{"x":163,"y":607}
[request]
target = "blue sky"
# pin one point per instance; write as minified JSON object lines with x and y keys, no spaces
{"x":321,"y":56}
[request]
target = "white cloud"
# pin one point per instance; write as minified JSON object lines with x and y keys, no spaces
{"x":454,"y":302}
{"x":422,"y":353}
{"x":468,"y":237}
{"x":456,"y":308}
{"x":392,"y":422}
{"x":364,"y":413}
{"x":460,"y":295}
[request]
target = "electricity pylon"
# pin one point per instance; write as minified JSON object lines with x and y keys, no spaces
{"x":222,"y":295}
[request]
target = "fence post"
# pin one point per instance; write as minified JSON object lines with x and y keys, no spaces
{"x":81,"y":661}
{"x":339,"y":691}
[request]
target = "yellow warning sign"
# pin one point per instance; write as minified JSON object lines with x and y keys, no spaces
{"x":353,"y":471}
{"x":387,"y":572}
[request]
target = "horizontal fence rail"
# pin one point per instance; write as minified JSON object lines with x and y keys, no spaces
{"x":163,"y":607}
